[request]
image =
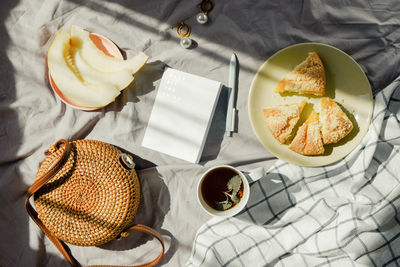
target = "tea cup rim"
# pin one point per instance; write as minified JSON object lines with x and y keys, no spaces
{"x":229,"y":212}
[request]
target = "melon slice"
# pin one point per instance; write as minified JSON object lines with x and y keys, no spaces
{"x":98,"y":60}
{"x":120,"y":80}
{"x":71,"y":81}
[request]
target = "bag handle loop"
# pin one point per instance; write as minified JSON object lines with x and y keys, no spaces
{"x":57,"y":242}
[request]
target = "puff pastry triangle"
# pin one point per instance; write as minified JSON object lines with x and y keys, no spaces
{"x":282,"y":119}
{"x":306,"y":78}
{"x":335,"y":123}
{"x":308,"y":140}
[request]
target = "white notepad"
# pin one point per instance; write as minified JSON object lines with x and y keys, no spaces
{"x":181,"y":115}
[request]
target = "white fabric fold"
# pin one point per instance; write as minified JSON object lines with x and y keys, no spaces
{"x":343,"y":214}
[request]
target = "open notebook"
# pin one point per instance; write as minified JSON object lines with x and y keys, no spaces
{"x":181,"y":115}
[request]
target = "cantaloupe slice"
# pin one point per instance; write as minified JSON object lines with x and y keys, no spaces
{"x":98,"y":60}
{"x":120,"y":80}
{"x":84,"y":74}
{"x":71,"y":81}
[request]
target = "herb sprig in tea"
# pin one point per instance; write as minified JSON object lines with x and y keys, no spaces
{"x":232,"y":195}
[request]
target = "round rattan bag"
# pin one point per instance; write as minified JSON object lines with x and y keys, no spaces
{"x":86,"y":193}
{"x":92,"y":198}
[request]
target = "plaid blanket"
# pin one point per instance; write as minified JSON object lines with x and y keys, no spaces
{"x":344,"y":214}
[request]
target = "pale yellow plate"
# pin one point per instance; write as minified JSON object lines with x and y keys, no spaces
{"x":347,"y":84}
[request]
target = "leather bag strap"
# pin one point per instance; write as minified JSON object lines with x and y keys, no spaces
{"x":57,"y":242}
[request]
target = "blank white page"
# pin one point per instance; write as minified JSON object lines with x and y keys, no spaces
{"x":181,"y":115}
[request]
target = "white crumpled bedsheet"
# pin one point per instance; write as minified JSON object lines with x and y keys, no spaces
{"x":32,"y":118}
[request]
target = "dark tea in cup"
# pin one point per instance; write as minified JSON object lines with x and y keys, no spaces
{"x":222,"y":188}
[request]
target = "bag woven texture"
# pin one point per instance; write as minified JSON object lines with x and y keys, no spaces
{"x":92,"y":198}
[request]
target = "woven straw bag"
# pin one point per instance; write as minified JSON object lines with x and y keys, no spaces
{"x":86,"y":193}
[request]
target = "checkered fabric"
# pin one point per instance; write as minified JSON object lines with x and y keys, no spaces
{"x":344,"y":214}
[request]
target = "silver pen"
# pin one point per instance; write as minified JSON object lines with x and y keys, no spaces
{"x":231,"y":112}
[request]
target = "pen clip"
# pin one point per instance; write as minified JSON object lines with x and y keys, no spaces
{"x":234,"y":118}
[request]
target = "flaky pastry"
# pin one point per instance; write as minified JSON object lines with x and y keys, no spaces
{"x":306,"y":78}
{"x":308,"y":140}
{"x":282,"y":119}
{"x":335,"y":123}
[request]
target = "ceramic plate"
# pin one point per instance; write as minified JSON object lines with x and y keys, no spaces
{"x":347,"y":84}
{"x":105,"y":45}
